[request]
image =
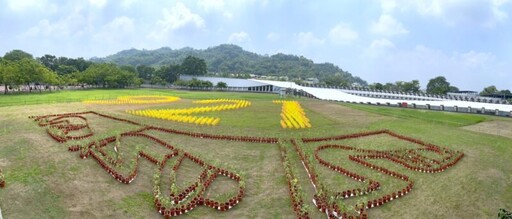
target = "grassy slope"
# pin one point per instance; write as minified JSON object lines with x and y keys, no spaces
{"x":35,"y":165}
{"x":476,"y":187}
{"x":448,"y":118}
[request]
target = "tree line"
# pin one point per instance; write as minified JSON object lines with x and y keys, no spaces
{"x":19,"y":70}
{"x":437,"y":86}
{"x":233,"y":61}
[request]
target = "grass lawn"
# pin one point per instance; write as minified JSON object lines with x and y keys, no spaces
{"x":45,"y":180}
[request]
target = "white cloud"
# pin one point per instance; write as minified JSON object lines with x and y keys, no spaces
{"x":116,"y":29}
{"x":382,"y":44}
{"x":227,"y":14}
{"x":208,"y":5}
{"x":71,"y":26}
{"x":44,"y":28}
{"x":264,"y":3}
{"x":180,"y":16}
{"x":273,"y":36}
{"x":122,"y":23}
{"x":98,"y":3}
{"x":342,"y":34}
{"x":473,"y":59}
{"x":307,"y":39}
{"x":128,"y":3}
{"x":485,"y":13}
{"x":17,"y":5}
{"x":215,"y":6}
{"x":239,"y":37}
{"x":388,"y":5}
{"x":387,"y":26}
{"x":177,"y":17}
{"x":464,"y":69}
{"x":26,"y":5}
{"x":378,"y":48}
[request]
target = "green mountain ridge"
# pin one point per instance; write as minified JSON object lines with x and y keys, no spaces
{"x":233,"y":59}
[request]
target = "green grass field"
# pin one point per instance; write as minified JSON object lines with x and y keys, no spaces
{"x":45,"y":180}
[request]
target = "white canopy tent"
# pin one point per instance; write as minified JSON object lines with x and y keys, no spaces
{"x":338,"y":95}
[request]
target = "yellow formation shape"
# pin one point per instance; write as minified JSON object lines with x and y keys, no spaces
{"x":187,"y":115}
{"x":135,"y":100}
{"x":292,"y":115}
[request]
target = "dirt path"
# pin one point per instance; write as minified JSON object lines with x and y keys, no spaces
{"x":497,"y":127}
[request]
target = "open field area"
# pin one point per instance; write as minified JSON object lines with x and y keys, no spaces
{"x":247,"y":152}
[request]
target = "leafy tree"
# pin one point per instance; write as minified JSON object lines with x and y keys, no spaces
{"x":453,"y":89}
{"x":489,"y":90}
{"x":79,"y":63}
{"x":222,"y":84}
{"x":16,"y":55}
{"x":412,"y":87}
{"x":181,"y":83}
{"x":64,"y":65}
{"x":158,"y":80}
{"x":193,"y":66}
{"x":169,"y":73}
{"x":145,"y":72}
{"x":337,"y":80}
{"x":50,"y":78}
{"x":389,"y":87}
{"x":376,"y":86}
{"x":128,"y":68}
{"x":65,"y":69}
{"x":193,"y":83}
{"x":438,"y":85}
{"x":8,"y":72}
{"x":108,"y":75}
{"x":402,"y":86}
{"x":199,"y":83}
{"x":49,"y":61}
{"x":505,"y":92}
{"x":25,"y":71}
{"x":31,"y":72}
{"x":70,"y":79}
{"x":93,"y":75}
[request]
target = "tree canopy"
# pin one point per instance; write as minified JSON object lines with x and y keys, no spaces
{"x":194,"y":83}
{"x":440,"y":86}
{"x":108,"y":75}
{"x":493,"y":91}
{"x":17,"y":55}
{"x":64,"y":65}
{"x":193,"y":66}
{"x":221,"y":84}
{"x":18,"y":69}
{"x":401,"y":86}
{"x":489,"y":90}
{"x":145,"y":72}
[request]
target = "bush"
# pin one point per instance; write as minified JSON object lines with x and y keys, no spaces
{"x":504,"y":214}
{"x":222,"y":84}
{"x":193,"y":83}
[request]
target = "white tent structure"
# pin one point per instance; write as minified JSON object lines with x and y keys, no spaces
{"x":433,"y":103}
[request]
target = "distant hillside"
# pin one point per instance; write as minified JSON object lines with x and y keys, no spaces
{"x":233,"y":59}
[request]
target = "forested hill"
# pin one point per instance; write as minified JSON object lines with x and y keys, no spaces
{"x":226,"y":59}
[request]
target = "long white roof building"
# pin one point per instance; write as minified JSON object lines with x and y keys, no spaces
{"x":366,"y":97}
